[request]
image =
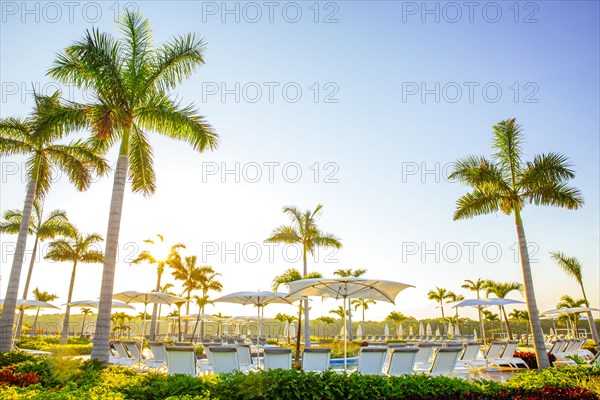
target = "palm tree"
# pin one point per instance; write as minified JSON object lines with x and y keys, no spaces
{"x":163,"y":289}
{"x":521,"y":316}
{"x":207,"y":281}
{"x":453,"y":297}
{"x":397,"y":318}
{"x":120,"y":322}
{"x":348,"y":273}
{"x":283,"y":319}
{"x":186,"y":271}
{"x":506,"y":183}
{"x":573,"y":268}
{"x":158,"y":254}
{"x":76,"y":248}
{"x":304,"y":232}
{"x":41,"y":296}
{"x":501,"y":290}
{"x":328,"y":321}
{"x":489,"y":316}
{"x":201,"y":302}
{"x":37,"y":138}
{"x":339,"y":311}
{"x":364,"y":304}
{"x":291,"y":275}
{"x":569,"y":302}
{"x":85,"y":311}
{"x":133,"y":81}
{"x":440,"y":295}
{"x":476,"y":286}
{"x":55,"y":224}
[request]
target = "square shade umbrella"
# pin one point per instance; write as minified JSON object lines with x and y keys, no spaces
{"x":31,"y":304}
{"x":346,"y":288}
{"x":95,"y":304}
{"x":483,"y":303}
{"x":146,"y":298}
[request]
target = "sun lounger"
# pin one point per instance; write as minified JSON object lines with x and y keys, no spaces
{"x":444,"y":361}
{"x":159,"y":355}
{"x":224,"y":359}
{"x":370,"y":360}
{"x":181,"y":360}
{"x":277,"y":358}
{"x":316,"y":359}
{"x":402,"y":361}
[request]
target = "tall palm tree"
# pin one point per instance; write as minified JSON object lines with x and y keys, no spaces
{"x":75,"y":248}
{"x":521,"y":316}
{"x":158,"y":254}
{"x":133,"y":81}
{"x":440,"y":295}
{"x":291,"y":275}
{"x":37,"y":137}
{"x":41,"y":296}
{"x":567,"y":301}
{"x":573,"y":268}
{"x":207,"y":281}
{"x":55,"y":224}
{"x":283,"y":319}
{"x":201,"y":302}
{"x":328,"y":321}
{"x":163,"y":289}
{"x":506,"y":183}
{"x":339,"y":311}
{"x":348,"y":273}
{"x":85,"y":311}
{"x":304,"y":232}
{"x":501,"y":290}
{"x":476,"y":286}
{"x":453,"y":297}
{"x":186,"y":271}
{"x":397,"y":318}
{"x":364,"y":304}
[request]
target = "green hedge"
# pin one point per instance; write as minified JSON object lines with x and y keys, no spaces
{"x":56,"y":378}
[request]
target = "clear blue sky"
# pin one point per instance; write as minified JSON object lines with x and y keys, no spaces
{"x":370,"y":126}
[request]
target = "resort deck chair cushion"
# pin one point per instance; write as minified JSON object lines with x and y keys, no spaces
{"x":469,"y":356}
{"x":159,"y":355}
{"x":506,"y":359}
{"x":402,"y":361}
{"x":123,"y":357}
{"x":316,"y":359}
{"x":371,"y":359}
{"x":225,"y":359}
{"x":244,"y":357}
{"x":424,"y":354}
{"x":277,"y":358}
{"x":444,"y":361}
{"x":135,"y":350}
{"x":181,"y":360}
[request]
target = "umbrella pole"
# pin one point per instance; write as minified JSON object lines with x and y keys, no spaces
{"x":345,"y":337}
{"x":144,"y":322}
{"x":258,"y":331}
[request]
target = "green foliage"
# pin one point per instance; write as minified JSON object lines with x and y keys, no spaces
{"x":14,"y":357}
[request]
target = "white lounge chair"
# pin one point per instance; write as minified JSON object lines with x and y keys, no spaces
{"x":444,"y":361}
{"x":402,"y":361}
{"x":135,"y":350}
{"x":469,"y":358}
{"x":316,"y":359}
{"x":506,"y":359}
{"x":370,"y":360}
{"x":123,"y":357}
{"x":244,"y":357}
{"x":277,"y":358}
{"x":159,"y":355}
{"x":181,"y":360}
{"x":423,"y":357}
{"x":224,"y":359}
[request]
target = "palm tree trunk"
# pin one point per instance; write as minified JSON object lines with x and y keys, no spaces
{"x":299,"y":334}
{"x":35,"y":319}
{"x":508,"y":330}
{"x":306,"y":316}
{"x":590,"y":317}
{"x":443,"y":318}
{"x":349,"y":320}
{"x":64,"y":337}
{"x":83,"y":325}
{"x":534,"y":316}
{"x":100,"y":350}
{"x":152,"y":334}
{"x":10,"y":299}
{"x":196,"y":325}
{"x":26,"y":289}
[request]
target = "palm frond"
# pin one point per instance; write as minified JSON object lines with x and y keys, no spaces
{"x":284,"y":234}
{"x":476,"y":203}
{"x":507,"y":141}
{"x":141,"y":172}
{"x":554,"y":194}
{"x":570,"y":265}
{"x":79,"y":162}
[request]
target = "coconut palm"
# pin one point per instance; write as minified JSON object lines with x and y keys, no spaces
{"x":477,"y":287}
{"x":304,"y":232}
{"x":348,"y":273}
{"x":37,"y":137}
{"x":501,"y":290}
{"x":283,"y":319}
{"x":201,"y":302}
{"x":573,"y":268}
{"x":41,"y":296}
{"x":133,"y":82}
{"x":186,"y":271}
{"x":440,"y":295}
{"x":166,"y":288}
{"x":521,"y":316}
{"x":328,"y":321}
{"x":291,"y":275}
{"x":397,"y":318}
{"x":55,"y":224}
{"x":207,"y":281}
{"x":364,"y":304}
{"x":85,"y":311}
{"x":158,"y":253}
{"x":339,"y":311}
{"x":121,"y":322}
{"x":507,"y":183}
{"x":77,"y":249}
{"x":567,"y":301}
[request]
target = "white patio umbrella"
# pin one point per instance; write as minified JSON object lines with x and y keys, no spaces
{"x":450,"y":329}
{"x":346,"y":288}
{"x":437,"y":331}
{"x":400,"y":330}
{"x":456,"y":330}
{"x":386,"y":330}
{"x":146,"y":298}
{"x":571,"y":310}
{"x":421,"y":330}
{"x":96,"y":303}
{"x":410,"y":330}
{"x":359,"y":331}
{"x":428,"y":330}
{"x":484,"y":303}
{"x":30,"y":304}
